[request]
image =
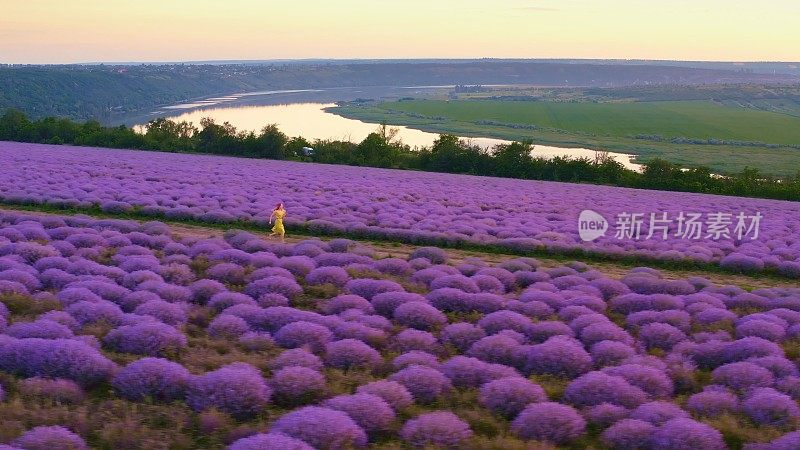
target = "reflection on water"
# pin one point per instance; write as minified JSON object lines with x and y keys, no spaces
{"x":312,"y":122}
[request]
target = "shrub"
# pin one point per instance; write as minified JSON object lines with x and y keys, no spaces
{"x":227,"y":326}
{"x":411,"y":339}
{"x":506,"y":320}
{"x":750,"y":347}
{"x":203,"y":290}
{"x":91,"y":312}
{"x":392,"y":392}
{"x":301,"y":333}
{"x":604,"y":414}
{"x":485,"y":302}
{"x":348,"y":353}
{"x":660,"y":335}
{"x":461,"y":335}
{"x":298,"y":265}
{"x":610,"y":353}
{"x":273,"y":284}
{"x":369,"y":288}
{"x":296,"y":385}
{"x":73,"y":295}
{"x":686,"y":434}
{"x":595,"y":388}
{"x":237,"y":389}
{"x":166,"y":312}
{"x":369,"y":411}
{"x":132,"y":300}
{"x":419,"y":315}
{"x":424,"y":383}
{"x":296,"y":357}
{"x":738,"y":262}
{"x":712,"y":403}
{"x":469,"y":372}
{"x":342,"y":303}
{"x":433,"y":254}
{"x":223,"y":300}
{"x":649,"y":379}
{"x":415,"y":357}
{"x":761,"y":328}
{"x":789,"y":385}
{"x":450,"y":300}
{"x":657,"y":412}
{"x":456,"y":281}
{"x":44,"y":329}
{"x":607,"y":331}
{"x":509,"y":396}
{"x":386,"y":303}
{"x":328,"y":275}
{"x":742,"y":375}
{"x":156,"y":378}
{"x":498,"y":348}
{"x":438,"y":428}
{"x":779,"y":366}
{"x":256,"y":340}
{"x":151,"y":339}
{"x":549,"y":421}
{"x":272,"y":299}
{"x":767,"y":406}
{"x":560,"y":356}
{"x":544,"y":330}
{"x":340,"y":431}
{"x":393,"y":266}
{"x":628,"y":434}
{"x":58,"y":390}
{"x":54,"y":358}
{"x":269,"y":441}
{"x":789,"y":441}
{"x":50,"y":437}
{"x":357,"y":330}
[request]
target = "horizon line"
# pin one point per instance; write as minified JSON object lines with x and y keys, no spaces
{"x":475,"y":59}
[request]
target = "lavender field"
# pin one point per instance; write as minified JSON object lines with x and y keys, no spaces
{"x":413,"y":207}
{"x":122,"y":334}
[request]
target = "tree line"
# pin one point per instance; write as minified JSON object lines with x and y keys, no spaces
{"x":381,"y":149}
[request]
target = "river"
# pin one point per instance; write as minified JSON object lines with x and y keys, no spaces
{"x":303,"y":117}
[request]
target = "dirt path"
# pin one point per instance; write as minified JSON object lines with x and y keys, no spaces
{"x":401,"y":250}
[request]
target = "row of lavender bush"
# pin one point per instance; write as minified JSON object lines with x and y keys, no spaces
{"x":415,"y":207}
{"x":560,"y":355}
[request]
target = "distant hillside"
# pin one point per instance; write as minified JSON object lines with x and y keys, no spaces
{"x":105,"y":91}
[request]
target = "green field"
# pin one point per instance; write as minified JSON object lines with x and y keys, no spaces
{"x":690,"y":119}
{"x":721,"y":136}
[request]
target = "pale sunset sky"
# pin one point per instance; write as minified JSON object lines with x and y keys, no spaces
{"x":64,"y":31}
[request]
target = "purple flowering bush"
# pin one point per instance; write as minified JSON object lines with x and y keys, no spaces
{"x":548,"y":421}
{"x":50,"y":437}
{"x":269,"y":441}
{"x":322,"y":428}
{"x":296,"y":385}
{"x":235,"y":331}
{"x":438,"y":428}
{"x":237,"y":389}
{"x":156,"y":378}
{"x":509,"y":396}
{"x":369,"y":411}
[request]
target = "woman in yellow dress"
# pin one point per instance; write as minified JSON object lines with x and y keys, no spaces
{"x":278,"y":214}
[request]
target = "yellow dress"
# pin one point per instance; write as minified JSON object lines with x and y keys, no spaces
{"x":278,"y":228}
